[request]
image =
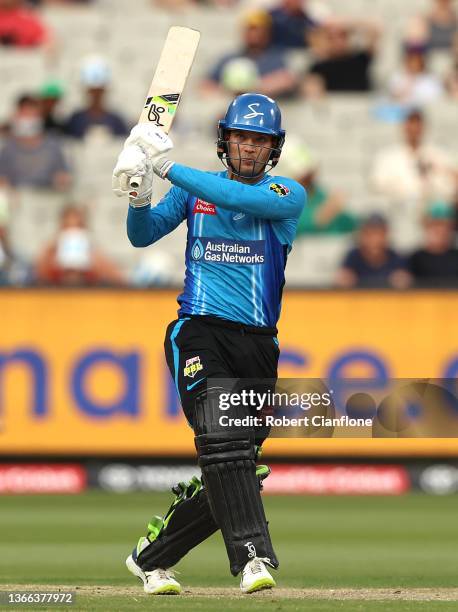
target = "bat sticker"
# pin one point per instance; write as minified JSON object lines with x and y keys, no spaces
{"x":160,"y":104}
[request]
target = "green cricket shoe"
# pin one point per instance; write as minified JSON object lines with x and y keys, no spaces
{"x":255,"y":576}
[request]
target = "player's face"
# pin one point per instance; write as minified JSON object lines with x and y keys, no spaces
{"x":250,"y":151}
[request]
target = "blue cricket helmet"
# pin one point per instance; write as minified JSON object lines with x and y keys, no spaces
{"x":252,"y":112}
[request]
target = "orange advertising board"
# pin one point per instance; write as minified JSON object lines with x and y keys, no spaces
{"x":83,"y":372}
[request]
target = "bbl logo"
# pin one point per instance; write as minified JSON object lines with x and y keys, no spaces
{"x":192,"y":366}
{"x":280,"y":190}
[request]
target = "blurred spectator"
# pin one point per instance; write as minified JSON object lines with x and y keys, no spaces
{"x":13,"y":269}
{"x":30,"y":157}
{"x":72,"y":259}
{"x":344,"y":65}
{"x":69,"y":2}
{"x":222,"y":3}
{"x":373,"y":263}
{"x":183,"y":4}
{"x":413,"y":85}
{"x":318,"y":41}
{"x":324,"y":212}
{"x":451,"y":79}
{"x":436,"y":264}
{"x":20,"y":26}
{"x":4,"y":256}
{"x":256,"y":67}
{"x":50,"y":95}
{"x":437,"y":29}
{"x":174,"y":4}
{"x":5,"y":251}
{"x":154,"y":269}
{"x":413,"y":169}
{"x":290,"y":24}
{"x":95,"y":77}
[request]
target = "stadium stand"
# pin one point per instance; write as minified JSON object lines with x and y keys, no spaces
{"x":344,"y":130}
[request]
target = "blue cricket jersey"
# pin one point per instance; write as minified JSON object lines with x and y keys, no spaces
{"x":239,"y":237}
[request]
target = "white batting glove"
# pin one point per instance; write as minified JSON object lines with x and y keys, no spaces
{"x":132,"y":161}
{"x":155,"y":144}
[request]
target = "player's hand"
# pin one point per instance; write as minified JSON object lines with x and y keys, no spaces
{"x":155,"y":144}
{"x":132,"y":161}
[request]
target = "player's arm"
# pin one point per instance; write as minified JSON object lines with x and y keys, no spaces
{"x":263,"y":201}
{"x":146,"y":225}
{"x":257,"y":200}
{"x":154,"y":145}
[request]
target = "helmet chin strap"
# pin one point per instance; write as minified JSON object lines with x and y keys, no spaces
{"x":230,"y":166}
{"x":230,"y":163}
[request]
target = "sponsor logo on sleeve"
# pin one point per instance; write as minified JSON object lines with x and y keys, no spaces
{"x":204,"y":207}
{"x":280,"y":190}
{"x":221,"y":250}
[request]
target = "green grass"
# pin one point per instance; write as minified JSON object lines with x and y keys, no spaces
{"x":121,"y":604}
{"x":208,"y":605}
{"x":322,"y":542}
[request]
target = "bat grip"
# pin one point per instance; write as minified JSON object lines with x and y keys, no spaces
{"x":135,"y":182}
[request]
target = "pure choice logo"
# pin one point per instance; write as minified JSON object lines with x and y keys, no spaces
{"x":204,"y":207}
{"x":220,"y":250}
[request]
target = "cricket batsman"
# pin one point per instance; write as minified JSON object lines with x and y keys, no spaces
{"x":241,"y":226}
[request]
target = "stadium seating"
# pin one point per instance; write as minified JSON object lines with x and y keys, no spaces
{"x":342,"y":131}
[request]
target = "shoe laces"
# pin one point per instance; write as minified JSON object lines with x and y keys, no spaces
{"x":256,"y":565}
{"x":163,"y":574}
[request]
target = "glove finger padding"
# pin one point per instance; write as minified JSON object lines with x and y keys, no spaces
{"x":152,"y":140}
{"x":120,"y":185}
{"x":124,"y":182}
{"x":132,"y":161}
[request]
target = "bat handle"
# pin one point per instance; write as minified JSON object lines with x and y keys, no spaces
{"x":135,"y":182}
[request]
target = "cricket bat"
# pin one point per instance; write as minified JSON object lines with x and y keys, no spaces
{"x":168,"y":82}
